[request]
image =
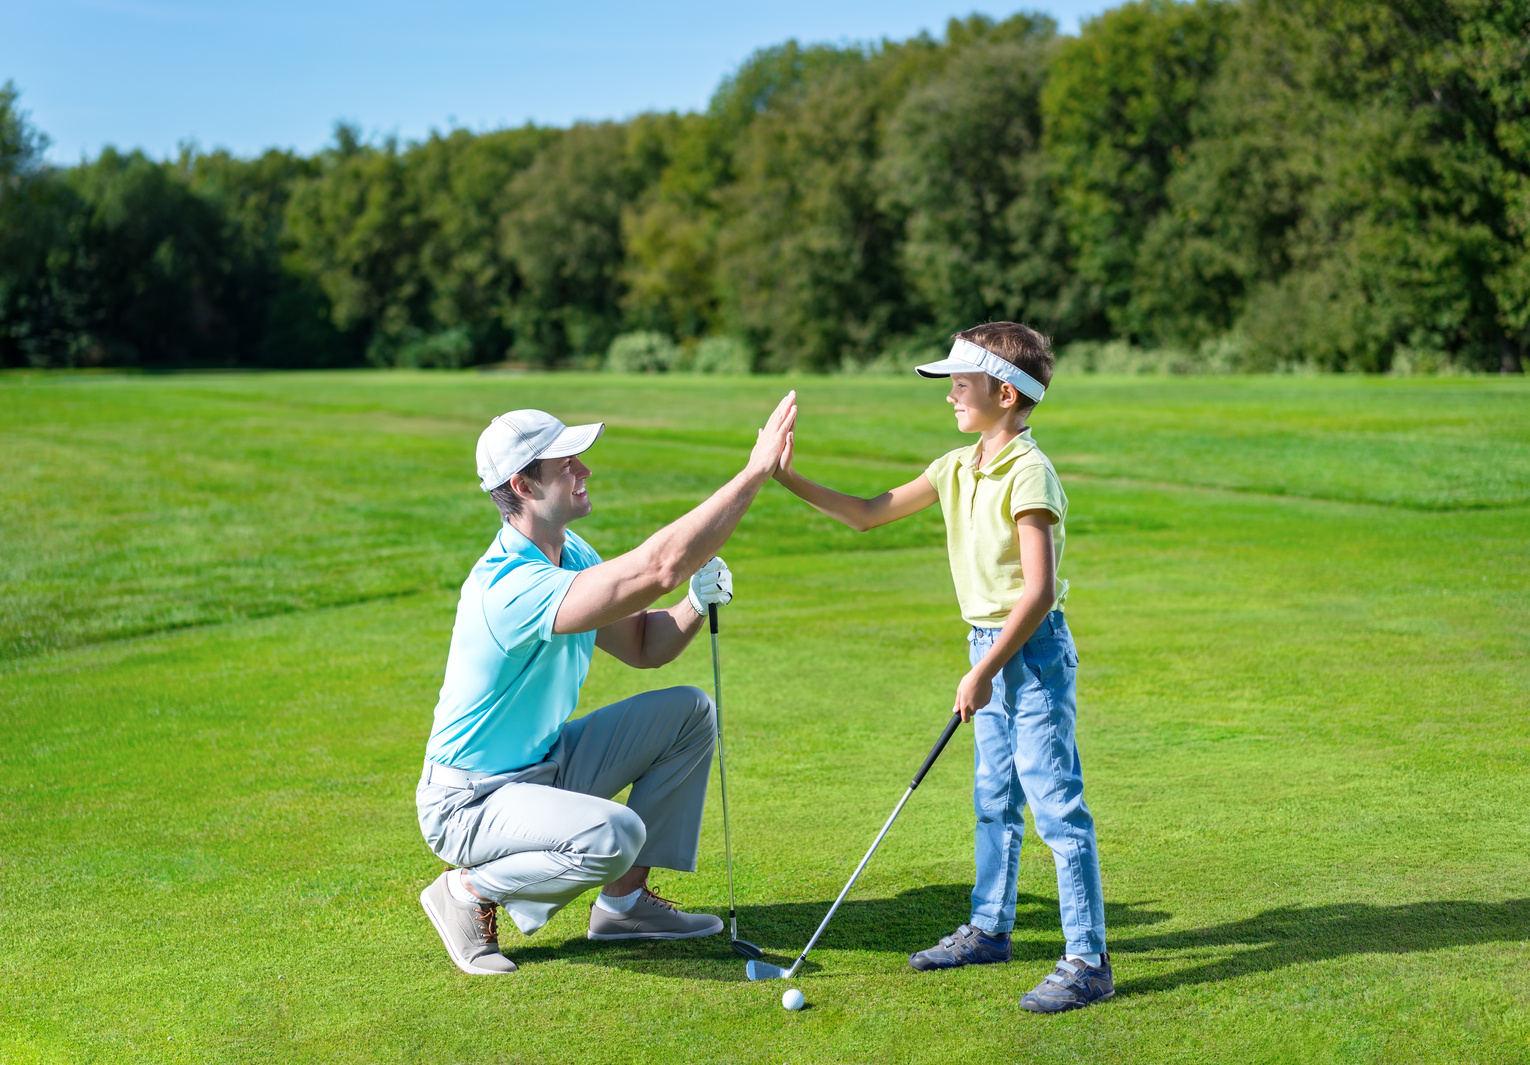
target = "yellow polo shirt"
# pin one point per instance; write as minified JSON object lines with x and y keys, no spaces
{"x":981,"y":506}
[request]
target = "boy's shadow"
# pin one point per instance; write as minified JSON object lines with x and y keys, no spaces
{"x":910,"y":921}
{"x":1292,"y":935}
{"x":914,"y":919}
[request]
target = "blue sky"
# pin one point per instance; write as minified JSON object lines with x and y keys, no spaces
{"x":152,"y":73}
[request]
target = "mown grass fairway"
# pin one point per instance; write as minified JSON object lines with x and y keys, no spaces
{"x":1302,"y":611}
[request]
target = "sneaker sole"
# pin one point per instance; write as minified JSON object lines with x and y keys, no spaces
{"x":608,"y":937}
{"x":956,"y":965}
{"x":437,"y":923}
{"x":1071,"y":1008}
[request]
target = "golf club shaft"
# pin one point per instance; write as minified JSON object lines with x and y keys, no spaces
{"x":722,"y":769}
{"x":940,"y":745}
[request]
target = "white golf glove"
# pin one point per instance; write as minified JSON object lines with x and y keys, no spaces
{"x":713,"y":583}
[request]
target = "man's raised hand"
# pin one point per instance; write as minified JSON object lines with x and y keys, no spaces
{"x":766,"y":456}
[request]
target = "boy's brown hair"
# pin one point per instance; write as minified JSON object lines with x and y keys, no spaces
{"x":1018,"y":345}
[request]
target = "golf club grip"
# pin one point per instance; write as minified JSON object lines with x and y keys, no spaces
{"x":940,"y":745}
{"x":712,"y":616}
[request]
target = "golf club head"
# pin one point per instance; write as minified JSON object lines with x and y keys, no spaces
{"x":745,"y":949}
{"x":763,"y":970}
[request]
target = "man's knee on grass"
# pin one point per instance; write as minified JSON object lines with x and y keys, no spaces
{"x":607,"y":849}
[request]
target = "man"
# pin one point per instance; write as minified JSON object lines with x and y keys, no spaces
{"x":515,"y":794}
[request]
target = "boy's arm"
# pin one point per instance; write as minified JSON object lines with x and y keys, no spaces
{"x":1038,"y":562}
{"x":858,"y":513}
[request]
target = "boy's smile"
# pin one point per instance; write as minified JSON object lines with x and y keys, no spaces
{"x":978,"y":409}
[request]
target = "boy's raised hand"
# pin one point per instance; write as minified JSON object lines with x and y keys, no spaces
{"x":784,"y":471}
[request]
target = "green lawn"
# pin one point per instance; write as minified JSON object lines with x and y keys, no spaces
{"x":1303,"y":612}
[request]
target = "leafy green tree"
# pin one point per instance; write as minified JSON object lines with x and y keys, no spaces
{"x":463,"y":183}
{"x":1349,"y":197}
{"x":1119,"y":105}
{"x":809,"y":269}
{"x":564,"y":236}
{"x":34,"y":215}
{"x":962,"y":167}
{"x":355,"y":230}
{"x":281,"y":317}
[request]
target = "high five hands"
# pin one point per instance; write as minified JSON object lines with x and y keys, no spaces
{"x":770,"y":446}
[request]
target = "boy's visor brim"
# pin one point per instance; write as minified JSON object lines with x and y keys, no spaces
{"x":947,"y":367}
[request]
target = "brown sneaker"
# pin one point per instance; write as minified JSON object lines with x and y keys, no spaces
{"x":471,"y":933}
{"x":651,"y":918}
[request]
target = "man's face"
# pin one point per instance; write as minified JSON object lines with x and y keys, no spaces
{"x":560,"y":495}
{"x":978,"y":408}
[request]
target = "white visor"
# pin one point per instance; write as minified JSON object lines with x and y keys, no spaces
{"x":967,"y":357}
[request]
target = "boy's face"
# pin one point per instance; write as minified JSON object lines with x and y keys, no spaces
{"x":978,"y":408}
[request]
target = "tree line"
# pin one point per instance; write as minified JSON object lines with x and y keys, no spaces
{"x":1339,"y":184}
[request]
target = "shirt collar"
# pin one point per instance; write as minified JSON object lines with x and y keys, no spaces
{"x":515,"y":542}
{"x":1006,"y":456}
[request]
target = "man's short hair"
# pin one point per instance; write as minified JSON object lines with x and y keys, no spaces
{"x":1017,"y":344}
{"x":506,"y":498}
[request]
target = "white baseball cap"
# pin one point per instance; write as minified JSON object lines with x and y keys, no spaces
{"x":518,"y":438}
{"x":967,"y":357}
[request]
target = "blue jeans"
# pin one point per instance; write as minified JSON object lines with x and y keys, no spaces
{"x":1026,"y":754}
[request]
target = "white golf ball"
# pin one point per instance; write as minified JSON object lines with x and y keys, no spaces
{"x":793,"y":999}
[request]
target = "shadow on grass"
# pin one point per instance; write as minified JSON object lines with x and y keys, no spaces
{"x":910,"y":921}
{"x":914,"y":919}
{"x":1293,"y":935}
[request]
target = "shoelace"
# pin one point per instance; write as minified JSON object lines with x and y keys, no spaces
{"x":659,"y":900}
{"x":488,"y":923}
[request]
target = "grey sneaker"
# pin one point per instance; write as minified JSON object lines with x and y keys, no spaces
{"x":968,"y":945}
{"x":1071,"y":986}
{"x":651,"y":917}
{"x":470,"y":932}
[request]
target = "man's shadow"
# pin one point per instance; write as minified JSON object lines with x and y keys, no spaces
{"x":914,"y":919}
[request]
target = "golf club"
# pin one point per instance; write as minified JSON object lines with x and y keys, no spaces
{"x":760,"y":970}
{"x":742,"y":947}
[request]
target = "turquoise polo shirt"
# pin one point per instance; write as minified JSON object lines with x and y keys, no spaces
{"x":510,"y":682}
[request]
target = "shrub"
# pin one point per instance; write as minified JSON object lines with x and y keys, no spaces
{"x":642,"y":352}
{"x":723,"y":354}
{"x":450,"y":349}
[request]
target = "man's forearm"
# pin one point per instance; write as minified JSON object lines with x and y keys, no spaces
{"x":666,"y":633}
{"x":681,"y":547}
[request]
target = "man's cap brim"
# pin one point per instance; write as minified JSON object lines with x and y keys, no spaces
{"x":573,"y":440}
{"x":947,"y":367}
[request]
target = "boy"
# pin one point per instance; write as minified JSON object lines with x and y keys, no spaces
{"x":1004,"y":510}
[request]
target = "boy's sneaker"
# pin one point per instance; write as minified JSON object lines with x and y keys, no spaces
{"x":470,"y":932}
{"x":967,"y":945}
{"x":651,"y":917}
{"x":1071,"y":986}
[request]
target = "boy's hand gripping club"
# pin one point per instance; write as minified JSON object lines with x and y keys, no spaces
{"x":759,"y":970}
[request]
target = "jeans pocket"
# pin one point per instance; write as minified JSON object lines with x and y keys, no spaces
{"x":1048,"y":658}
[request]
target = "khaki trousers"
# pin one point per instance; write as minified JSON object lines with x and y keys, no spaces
{"x":535,"y":839}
